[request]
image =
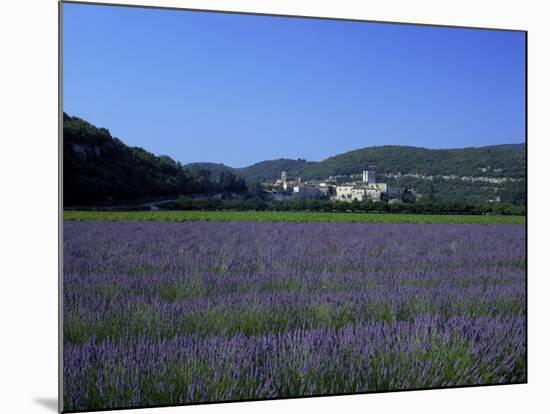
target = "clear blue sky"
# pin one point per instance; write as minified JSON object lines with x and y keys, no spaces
{"x":239,"y":89}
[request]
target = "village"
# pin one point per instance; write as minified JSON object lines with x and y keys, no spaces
{"x":360,"y":187}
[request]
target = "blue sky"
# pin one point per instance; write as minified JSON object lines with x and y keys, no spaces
{"x":239,"y":89}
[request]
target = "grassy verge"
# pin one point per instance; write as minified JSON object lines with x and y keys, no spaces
{"x":296,"y":217}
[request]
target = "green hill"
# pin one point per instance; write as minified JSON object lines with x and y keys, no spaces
{"x":259,"y":172}
{"x":215,"y":168}
{"x":101,"y":169}
{"x":497,"y":161}
{"x":492,"y":162}
{"x":440,"y":174}
{"x":268,"y":170}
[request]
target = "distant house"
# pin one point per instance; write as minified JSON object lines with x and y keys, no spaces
{"x":367,"y":189}
{"x":306,"y":191}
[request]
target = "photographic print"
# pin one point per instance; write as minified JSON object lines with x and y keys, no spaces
{"x":264,"y":207}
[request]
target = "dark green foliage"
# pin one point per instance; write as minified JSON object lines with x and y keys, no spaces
{"x":268,"y":170}
{"x":477,"y":192}
{"x":230,"y":183}
{"x":214,"y":168}
{"x":329,"y":206}
{"x":100,"y":169}
{"x":260,"y":172}
{"x":400,"y":159}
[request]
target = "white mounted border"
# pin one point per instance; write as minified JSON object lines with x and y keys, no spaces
{"x":29,"y":171}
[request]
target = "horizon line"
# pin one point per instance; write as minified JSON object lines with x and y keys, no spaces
{"x":332,"y":156}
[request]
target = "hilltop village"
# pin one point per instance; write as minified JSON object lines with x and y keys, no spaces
{"x":360,"y":187}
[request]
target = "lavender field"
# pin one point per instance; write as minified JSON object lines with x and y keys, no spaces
{"x":174,"y":313}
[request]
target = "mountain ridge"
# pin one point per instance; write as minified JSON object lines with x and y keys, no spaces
{"x":501,"y":160}
{"x":100,"y":168}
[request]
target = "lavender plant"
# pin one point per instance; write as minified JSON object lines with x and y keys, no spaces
{"x":174,"y":313}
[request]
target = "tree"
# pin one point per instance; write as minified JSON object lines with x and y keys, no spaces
{"x":230,"y":183}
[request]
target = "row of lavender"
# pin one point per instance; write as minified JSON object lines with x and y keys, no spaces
{"x":165,"y":313}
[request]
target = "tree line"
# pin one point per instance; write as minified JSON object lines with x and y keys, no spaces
{"x":100,"y":170}
{"x":259,"y":204}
